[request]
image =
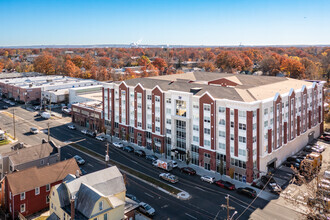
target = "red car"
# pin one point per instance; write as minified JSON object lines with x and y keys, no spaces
{"x":188,"y":170}
{"x":225,"y":184}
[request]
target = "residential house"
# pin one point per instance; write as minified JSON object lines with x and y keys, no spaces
{"x":27,"y":191}
{"x":22,"y":157}
{"x":95,"y":196}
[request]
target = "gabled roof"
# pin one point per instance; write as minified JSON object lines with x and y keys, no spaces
{"x":26,"y":180}
{"x":86,"y":199}
{"x":237,"y":87}
{"x":28,"y":154}
{"x":107,"y":181}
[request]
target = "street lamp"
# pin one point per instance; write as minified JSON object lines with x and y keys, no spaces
{"x":233,"y":215}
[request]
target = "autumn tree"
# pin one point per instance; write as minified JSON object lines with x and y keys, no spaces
{"x":78,"y":61}
{"x":143,"y":61}
{"x":160,"y":64}
{"x":88,"y":62}
{"x":45,"y":63}
{"x":70,"y":69}
{"x":270,"y":65}
{"x":229,"y":61}
{"x":104,"y":61}
{"x":208,"y":66}
{"x":293,"y":68}
{"x":1,"y":66}
{"x":325,"y":60}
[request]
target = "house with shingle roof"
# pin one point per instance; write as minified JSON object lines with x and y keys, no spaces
{"x":98,"y":195}
{"x":27,"y":191}
{"x":22,"y":157}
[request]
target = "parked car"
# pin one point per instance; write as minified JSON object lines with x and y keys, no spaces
{"x":91,"y":133}
{"x":84,"y":131}
{"x":118,"y":144}
{"x":83,"y":172}
{"x":140,"y":153}
{"x":132,"y":197}
{"x":208,"y":179}
{"x":294,"y":159}
{"x":317,"y":150}
{"x":146,"y":209}
{"x":325,"y":137}
{"x":247,"y":191}
{"x":79,"y":160}
{"x":151,"y":157}
{"x":100,"y":138}
{"x":258,"y":185}
{"x":225,"y":184}
{"x":188,"y":170}
{"x":267,"y":178}
{"x":72,"y":127}
{"x":34,"y":130}
{"x":321,"y":147}
{"x":308,"y":149}
{"x":169,"y":177}
{"x":289,"y":164}
{"x":129,"y":149}
{"x":274,"y":187}
{"x":36,"y":108}
{"x":174,"y":163}
{"x":5,"y":107}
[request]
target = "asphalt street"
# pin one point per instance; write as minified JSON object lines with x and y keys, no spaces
{"x":206,"y":199}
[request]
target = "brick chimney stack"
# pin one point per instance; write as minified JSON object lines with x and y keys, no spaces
{"x":72,"y":208}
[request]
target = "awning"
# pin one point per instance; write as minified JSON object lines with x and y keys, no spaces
{"x":178,"y":151}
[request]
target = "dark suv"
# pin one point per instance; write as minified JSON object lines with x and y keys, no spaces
{"x":140,"y":153}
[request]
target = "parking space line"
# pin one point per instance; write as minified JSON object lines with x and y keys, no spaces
{"x":199,"y":188}
{"x":149,"y":195}
{"x":190,"y":216}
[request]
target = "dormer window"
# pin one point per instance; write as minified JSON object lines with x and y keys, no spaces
{"x":101,"y":205}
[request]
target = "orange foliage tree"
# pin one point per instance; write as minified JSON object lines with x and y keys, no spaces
{"x":160,"y":64}
{"x":45,"y":63}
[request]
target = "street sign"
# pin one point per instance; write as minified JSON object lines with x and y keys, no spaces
{"x":244,"y":179}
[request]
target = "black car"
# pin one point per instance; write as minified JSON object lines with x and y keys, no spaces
{"x":151,"y":157}
{"x":5,"y":107}
{"x":188,"y":170}
{"x":294,"y":159}
{"x":247,"y":191}
{"x":289,"y":164}
{"x":140,"y":153}
{"x":267,"y":178}
{"x":129,"y":149}
{"x":308,"y":149}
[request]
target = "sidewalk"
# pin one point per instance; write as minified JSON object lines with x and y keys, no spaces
{"x":200,"y":171}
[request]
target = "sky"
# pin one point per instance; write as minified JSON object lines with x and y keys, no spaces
{"x":174,"y":22}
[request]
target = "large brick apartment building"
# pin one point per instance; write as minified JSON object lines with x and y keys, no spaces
{"x":252,"y":123}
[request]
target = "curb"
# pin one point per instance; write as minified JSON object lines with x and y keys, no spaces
{"x":183,"y":195}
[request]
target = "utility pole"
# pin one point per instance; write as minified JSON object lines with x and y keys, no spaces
{"x":48,"y":133}
{"x":227,"y":207}
{"x":50,"y":104}
{"x":107,"y":155}
{"x":14,"y":124}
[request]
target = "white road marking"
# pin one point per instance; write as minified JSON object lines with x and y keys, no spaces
{"x":149,"y":195}
{"x":90,"y":165}
{"x":199,"y":188}
{"x":69,"y":154}
{"x":89,"y":142}
{"x":134,"y":162}
{"x":164,"y":206}
{"x":190,"y":216}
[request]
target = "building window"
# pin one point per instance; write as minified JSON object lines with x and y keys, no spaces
{"x":207,"y":143}
{"x":157,"y":129}
{"x":168,"y":131}
{"x":242,"y":126}
{"x":242,"y":114}
{"x":195,"y":127}
{"x":168,"y":121}
{"x":207,"y":155}
{"x":265,"y":111}
{"x":207,"y":131}
{"x":22,"y":208}
{"x":242,"y":139}
{"x":266,"y":124}
{"x":168,"y":101}
{"x":47,"y":187}
{"x":42,"y":162}
{"x":222,"y":109}
{"x":231,"y":124}
{"x":47,"y":199}
{"x":37,"y":190}
{"x":222,"y":122}
{"x":105,"y":216}
{"x":231,"y":137}
{"x":101,"y":205}
{"x":222,"y":146}
{"x":149,"y":97}
{"x":222,"y":133}
{"x":207,"y":107}
{"x":22,"y":195}
{"x":9,"y":195}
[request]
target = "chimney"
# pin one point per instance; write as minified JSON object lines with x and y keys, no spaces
{"x":72,"y":208}
{"x":77,"y":173}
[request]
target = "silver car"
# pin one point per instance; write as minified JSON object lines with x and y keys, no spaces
{"x":208,"y":179}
